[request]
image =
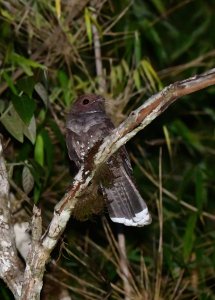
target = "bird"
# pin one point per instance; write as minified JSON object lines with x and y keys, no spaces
{"x":113,"y":186}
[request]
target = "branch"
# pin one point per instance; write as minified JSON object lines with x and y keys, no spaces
{"x":136,"y":121}
{"x":123,"y":263}
{"x":10,"y":265}
{"x":98,"y":58}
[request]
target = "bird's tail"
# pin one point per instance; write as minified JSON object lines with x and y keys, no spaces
{"x":124,"y":202}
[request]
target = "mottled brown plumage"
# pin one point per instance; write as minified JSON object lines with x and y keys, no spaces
{"x":87,"y":124}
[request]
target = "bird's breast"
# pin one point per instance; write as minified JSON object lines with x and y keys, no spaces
{"x":83,"y":123}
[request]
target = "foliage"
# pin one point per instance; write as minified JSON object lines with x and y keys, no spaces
{"x":47,"y":59}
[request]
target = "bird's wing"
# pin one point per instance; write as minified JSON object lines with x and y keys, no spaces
{"x":73,"y":147}
{"x":125,"y":160}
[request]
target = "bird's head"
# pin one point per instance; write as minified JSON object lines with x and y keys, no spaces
{"x":88,"y":103}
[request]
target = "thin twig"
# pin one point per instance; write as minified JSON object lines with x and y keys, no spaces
{"x":123,"y":262}
{"x":118,"y":18}
{"x":98,"y":58}
{"x":160,"y":246}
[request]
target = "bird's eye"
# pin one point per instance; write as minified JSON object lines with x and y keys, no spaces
{"x":85,"y":101}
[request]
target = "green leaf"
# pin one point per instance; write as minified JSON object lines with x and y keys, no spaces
{"x":200,"y":191}
{"x":48,"y":149}
{"x":137,"y":80}
{"x":5,"y":13}
{"x":42,"y":115}
{"x":137,"y":48}
{"x":148,"y":75}
{"x":63,"y":78}
{"x":151,"y":74}
{"x":125,"y":67}
{"x":13,"y":124}
{"x":67,"y":89}
{"x":58,"y":8}
{"x":26,"y":85}
{"x":87,"y":17}
{"x":159,"y":5}
{"x":10,"y":83}
{"x":189,"y":236}
{"x":42,"y":92}
{"x":25,"y":63}
{"x":30,"y":130}
{"x":24,"y":106}
{"x":39,"y":150}
{"x":168,"y":140}
{"x":27,"y":180}
{"x":119,"y":73}
{"x":37,"y":193}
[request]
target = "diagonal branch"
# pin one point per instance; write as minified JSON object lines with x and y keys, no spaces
{"x":136,"y":121}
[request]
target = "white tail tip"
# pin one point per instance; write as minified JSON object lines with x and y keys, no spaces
{"x":142,"y":218}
